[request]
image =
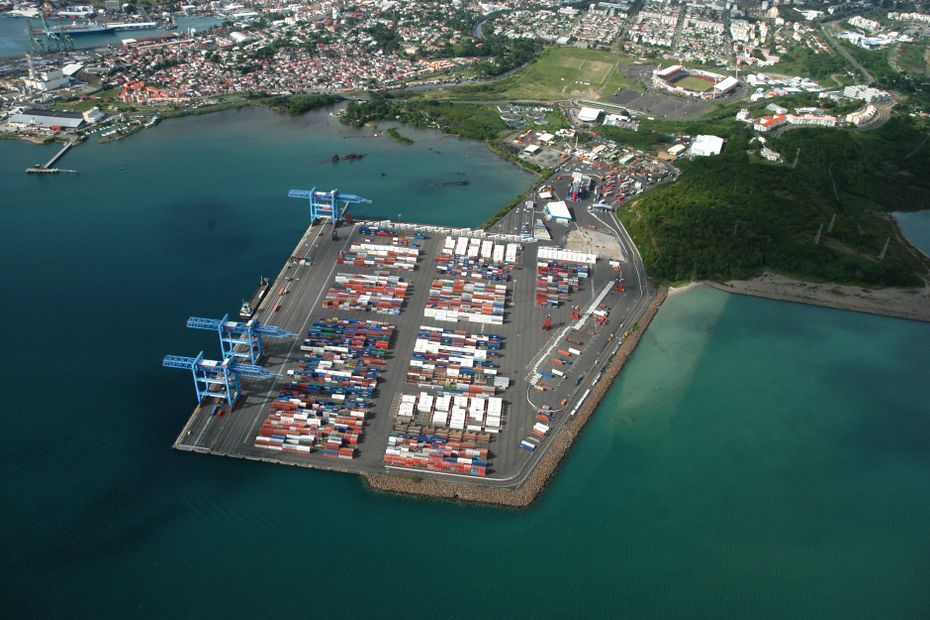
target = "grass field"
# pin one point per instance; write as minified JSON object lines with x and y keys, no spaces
{"x":696,"y":84}
{"x":559,"y":73}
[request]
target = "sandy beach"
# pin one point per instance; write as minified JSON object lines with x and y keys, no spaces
{"x":904,"y":303}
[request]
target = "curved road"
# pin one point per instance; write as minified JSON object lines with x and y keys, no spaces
{"x":838,"y":47}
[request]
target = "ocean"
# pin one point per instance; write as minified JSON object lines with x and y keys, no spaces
{"x":755,"y":458}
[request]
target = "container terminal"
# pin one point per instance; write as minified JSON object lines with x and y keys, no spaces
{"x":390,"y":347}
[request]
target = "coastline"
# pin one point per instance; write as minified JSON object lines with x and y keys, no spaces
{"x":561,"y":442}
{"x":676,"y":290}
{"x":902,"y":303}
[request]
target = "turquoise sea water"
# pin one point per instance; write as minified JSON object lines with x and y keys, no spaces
{"x":15,"y":39}
{"x":755,"y":458}
{"x":915,"y":225}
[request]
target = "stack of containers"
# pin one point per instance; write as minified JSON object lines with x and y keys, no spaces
{"x":492,"y":423}
{"x":539,"y":430}
{"x":468,"y":300}
{"x":454,"y":360}
{"x":478,"y":414}
{"x":327,"y":402}
{"x":399,"y":237}
{"x":555,"y":281}
{"x":558,"y":273}
{"x":407,"y":405}
{"x":464,"y":257}
{"x":430,"y":453}
{"x":355,"y":291}
{"x":382,"y":256}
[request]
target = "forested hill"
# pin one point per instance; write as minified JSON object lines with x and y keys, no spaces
{"x":734,"y":216}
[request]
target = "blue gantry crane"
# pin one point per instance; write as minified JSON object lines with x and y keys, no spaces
{"x":234,"y":333}
{"x":332,"y":204}
{"x":218,"y":379}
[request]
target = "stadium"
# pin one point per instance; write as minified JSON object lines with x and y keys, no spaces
{"x":693,"y":82}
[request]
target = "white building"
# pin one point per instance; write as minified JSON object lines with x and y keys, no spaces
{"x":46,"y":79}
{"x":725,"y":85}
{"x":769,"y":154}
{"x":865,"y":93}
{"x":557,"y":211}
{"x":862,"y":116}
{"x":910,"y":17}
{"x":93,"y":115}
{"x":588,"y":115}
{"x":814,"y":120}
{"x":869,"y":25}
{"x":705,"y":146}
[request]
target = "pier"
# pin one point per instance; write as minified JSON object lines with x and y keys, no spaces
{"x":46,"y":168}
{"x":294,"y":301}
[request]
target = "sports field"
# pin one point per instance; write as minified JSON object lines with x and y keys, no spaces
{"x":695,"y":84}
{"x":560,"y":73}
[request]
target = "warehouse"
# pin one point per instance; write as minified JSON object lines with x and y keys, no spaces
{"x":704,"y":146}
{"x":35,"y":117}
{"x":588,"y":115}
{"x":558,"y":212}
{"x":725,"y":86}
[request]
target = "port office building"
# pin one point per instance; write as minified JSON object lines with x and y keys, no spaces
{"x":46,"y":119}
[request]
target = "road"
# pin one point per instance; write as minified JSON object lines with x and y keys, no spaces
{"x":827,"y":29}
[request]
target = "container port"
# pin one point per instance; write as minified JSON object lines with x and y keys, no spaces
{"x":397,"y":347}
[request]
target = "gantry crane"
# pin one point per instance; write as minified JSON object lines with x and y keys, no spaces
{"x":233,"y":333}
{"x":332,"y":204}
{"x":217,"y":379}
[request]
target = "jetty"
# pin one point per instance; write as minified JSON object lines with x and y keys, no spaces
{"x":47,"y":168}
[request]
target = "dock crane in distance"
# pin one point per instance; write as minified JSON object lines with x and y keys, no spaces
{"x":332,"y":205}
{"x":234,"y":333}
{"x":209,"y":374}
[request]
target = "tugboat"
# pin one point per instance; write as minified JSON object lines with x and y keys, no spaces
{"x":249,"y":307}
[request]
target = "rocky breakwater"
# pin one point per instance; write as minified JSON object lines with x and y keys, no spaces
{"x":525,"y":493}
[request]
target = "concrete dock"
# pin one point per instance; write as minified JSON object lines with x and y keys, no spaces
{"x":525,"y":345}
{"x":47,"y":168}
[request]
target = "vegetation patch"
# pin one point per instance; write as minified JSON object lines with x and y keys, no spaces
{"x":478,"y":122}
{"x":395,"y":135}
{"x":301,"y":104}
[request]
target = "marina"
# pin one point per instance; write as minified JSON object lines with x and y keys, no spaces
{"x":421,"y":348}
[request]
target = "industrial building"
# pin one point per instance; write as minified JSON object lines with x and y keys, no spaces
{"x":46,"y":119}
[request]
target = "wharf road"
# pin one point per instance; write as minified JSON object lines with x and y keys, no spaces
{"x":524,"y":346}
